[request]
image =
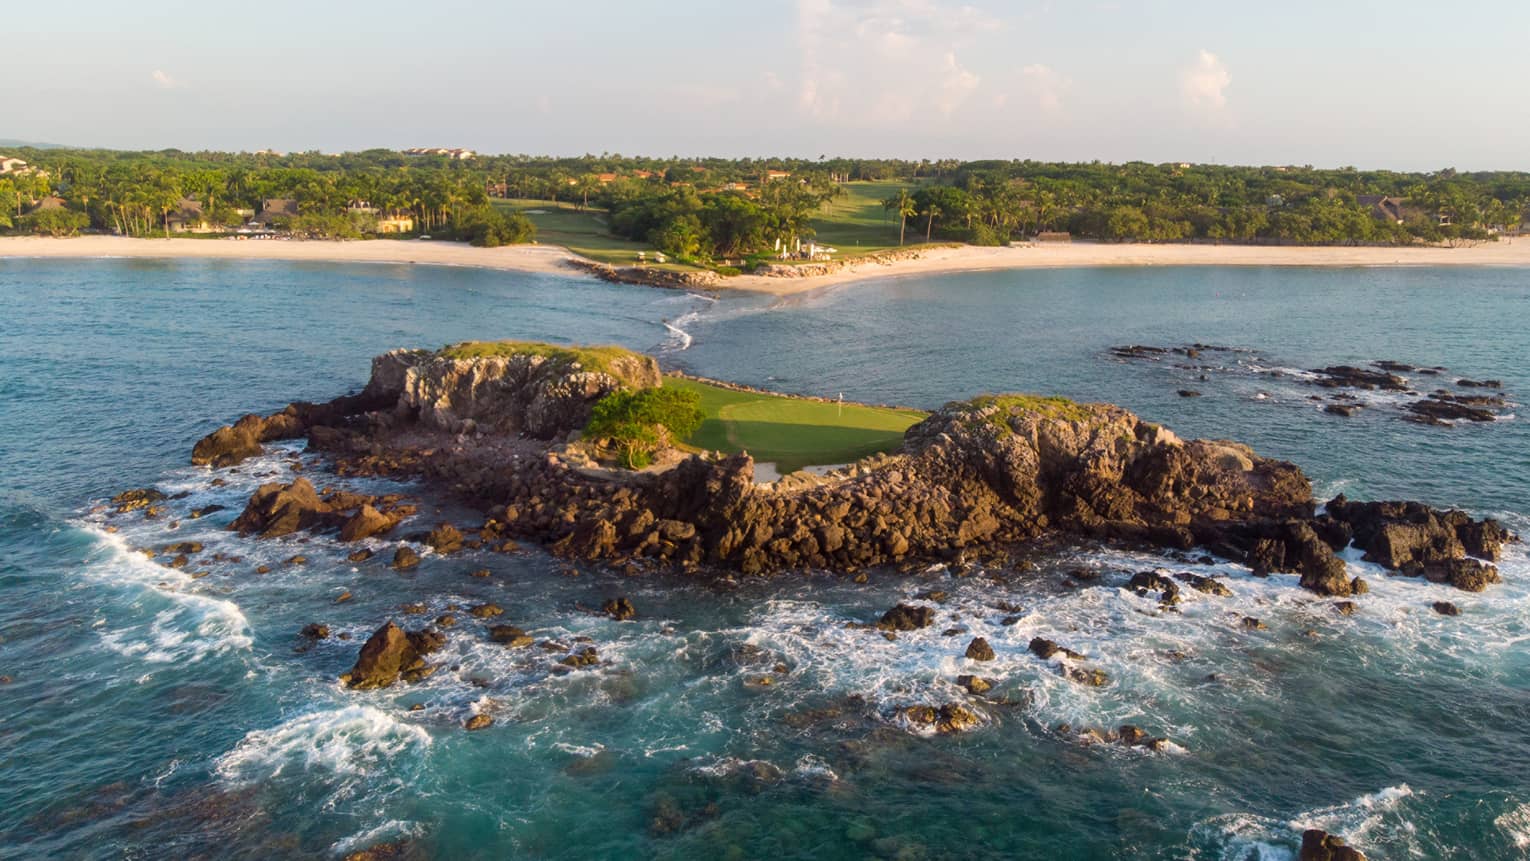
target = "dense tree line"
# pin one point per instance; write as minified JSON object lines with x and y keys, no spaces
{"x":726,"y":209}
{"x":994,"y":202}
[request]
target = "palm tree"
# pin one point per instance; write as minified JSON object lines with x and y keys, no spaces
{"x":903,"y":204}
{"x":931,"y":212}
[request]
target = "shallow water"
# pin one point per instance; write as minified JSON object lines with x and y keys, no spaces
{"x":157,"y":714}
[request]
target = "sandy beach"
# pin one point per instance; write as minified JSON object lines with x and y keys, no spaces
{"x":552,"y":259}
{"x":1080,"y":254}
{"x":517,"y":258}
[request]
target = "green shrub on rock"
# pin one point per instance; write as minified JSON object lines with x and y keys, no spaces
{"x":637,"y":422}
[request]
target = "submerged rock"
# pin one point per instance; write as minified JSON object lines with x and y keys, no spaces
{"x":974,"y":684}
{"x":945,"y":719}
{"x":620,"y":609}
{"x":1044,"y":648}
{"x":132,"y":500}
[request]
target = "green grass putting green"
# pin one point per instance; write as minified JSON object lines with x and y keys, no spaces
{"x":793,"y":432}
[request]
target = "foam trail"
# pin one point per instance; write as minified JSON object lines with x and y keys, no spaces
{"x":193,"y":627}
{"x":352,"y":740}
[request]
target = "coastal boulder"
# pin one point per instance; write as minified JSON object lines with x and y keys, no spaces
{"x":276,"y":509}
{"x":384,"y":655}
{"x":906,"y":617}
{"x":1319,"y":845}
{"x":365,"y":523}
{"x":230,"y":444}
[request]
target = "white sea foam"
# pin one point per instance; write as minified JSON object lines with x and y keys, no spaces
{"x":189,"y":628}
{"x":393,"y":829}
{"x":1516,"y":825}
{"x":1370,"y":820}
{"x":352,"y":740}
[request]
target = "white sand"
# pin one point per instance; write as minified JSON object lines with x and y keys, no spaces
{"x":1080,"y":254}
{"x":520,"y":258}
{"x":550,"y":258}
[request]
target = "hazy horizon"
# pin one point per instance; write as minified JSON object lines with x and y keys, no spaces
{"x":1370,"y":85}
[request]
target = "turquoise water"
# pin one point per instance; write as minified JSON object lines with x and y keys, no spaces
{"x":153,"y":715}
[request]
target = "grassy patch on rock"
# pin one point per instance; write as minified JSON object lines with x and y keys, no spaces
{"x":599,"y":359}
{"x":793,"y":432}
{"x":1004,"y":406}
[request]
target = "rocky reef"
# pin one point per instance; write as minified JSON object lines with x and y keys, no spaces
{"x":497,"y":425}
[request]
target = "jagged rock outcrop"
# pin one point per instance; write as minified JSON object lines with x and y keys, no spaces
{"x":392,"y":653}
{"x":542,"y":393}
{"x":988,"y":473}
{"x":231,"y":444}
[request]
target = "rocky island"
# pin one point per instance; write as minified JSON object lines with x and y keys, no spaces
{"x":502,"y":425}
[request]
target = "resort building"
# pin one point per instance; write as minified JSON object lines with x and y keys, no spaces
{"x":453,"y":153}
{"x":1382,"y":206}
{"x":189,"y":218}
{"x":273,"y":211}
{"x":52,"y":201}
{"x":12,"y":165}
{"x":395,"y":221}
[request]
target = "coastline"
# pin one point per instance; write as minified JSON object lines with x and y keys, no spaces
{"x":554,"y":259}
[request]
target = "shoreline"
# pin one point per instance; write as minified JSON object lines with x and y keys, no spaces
{"x":556,"y":260}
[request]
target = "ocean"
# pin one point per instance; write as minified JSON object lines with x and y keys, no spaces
{"x":152,"y":712}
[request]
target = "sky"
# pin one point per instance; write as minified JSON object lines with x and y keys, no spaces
{"x":1401,"y":84}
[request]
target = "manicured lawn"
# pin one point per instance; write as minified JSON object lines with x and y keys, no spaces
{"x":857,"y":223}
{"x":583,"y":232}
{"x":793,"y":432}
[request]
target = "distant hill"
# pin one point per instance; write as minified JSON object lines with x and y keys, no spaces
{"x":11,"y":143}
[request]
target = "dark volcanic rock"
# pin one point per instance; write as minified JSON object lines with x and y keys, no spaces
{"x":991,"y":472}
{"x":945,"y":719}
{"x":1347,"y":376}
{"x":1345,"y":410}
{"x":1439,"y":409}
{"x":1319,"y":845}
{"x":445,"y":538}
{"x":1044,"y":648}
{"x":365,"y":523}
{"x":275,"y":510}
{"x":405,"y":558}
{"x":1445,"y":608}
{"x":1422,"y":541}
{"x":1207,"y":585}
{"x":906,"y":617}
{"x":1144,"y":582}
{"x":975,"y":684}
{"x":980,"y":650}
{"x":132,"y":500}
{"x":390,"y":653}
{"x":620,"y":609}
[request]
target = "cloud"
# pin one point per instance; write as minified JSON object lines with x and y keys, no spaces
{"x":163,"y":80}
{"x":1203,"y":84}
{"x":879,"y":63}
{"x":1044,"y":86}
